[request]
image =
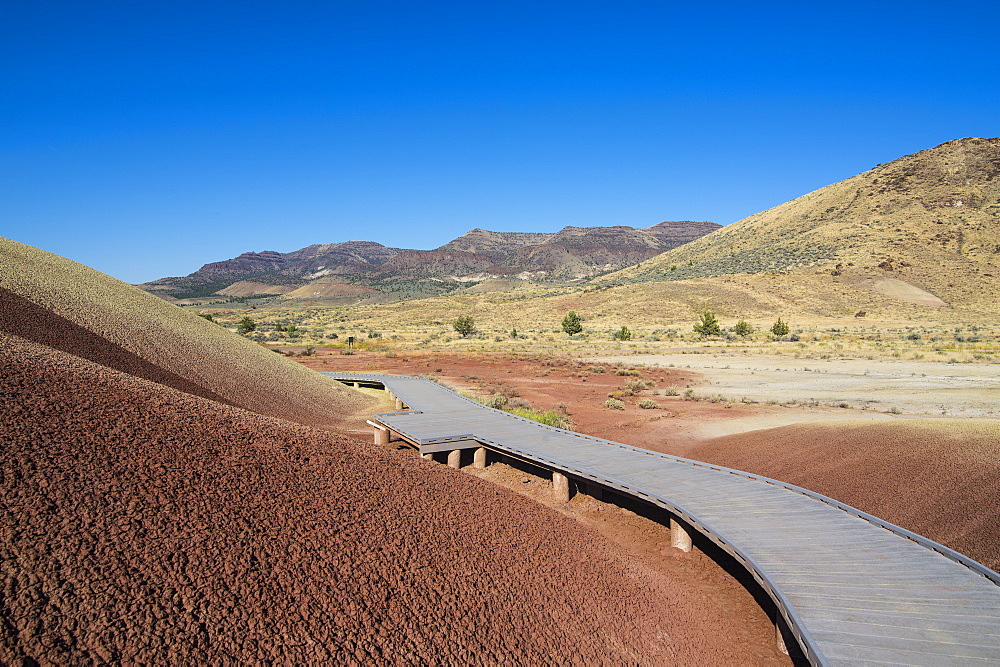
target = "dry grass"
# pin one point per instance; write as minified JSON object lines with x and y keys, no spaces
{"x":931,"y":219}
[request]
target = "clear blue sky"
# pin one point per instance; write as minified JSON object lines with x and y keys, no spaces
{"x":147,"y":139}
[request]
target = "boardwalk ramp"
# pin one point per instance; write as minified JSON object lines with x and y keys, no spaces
{"x":851,"y":588}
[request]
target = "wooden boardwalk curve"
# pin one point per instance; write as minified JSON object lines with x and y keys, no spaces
{"x":850,"y":587}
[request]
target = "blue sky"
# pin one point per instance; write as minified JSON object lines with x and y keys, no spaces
{"x":148,"y":139}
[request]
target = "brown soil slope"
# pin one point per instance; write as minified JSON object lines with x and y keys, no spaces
{"x":141,"y":524}
{"x":179,"y":343}
{"x":930,"y":219}
{"x":938,"y":478}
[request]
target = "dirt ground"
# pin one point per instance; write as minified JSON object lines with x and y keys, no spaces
{"x":580,"y":388}
{"x":141,"y":524}
{"x":873,"y":385}
{"x":927,"y":473}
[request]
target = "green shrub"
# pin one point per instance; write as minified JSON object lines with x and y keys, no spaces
{"x":780,"y":328}
{"x":246,"y":325}
{"x":648,"y":404}
{"x":571,"y":324}
{"x":708,"y":326}
{"x":635,"y":385}
{"x":496,"y":401}
{"x":622,"y":334}
{"x":465,"y":325}
{"x":614,"y":404}
{"x":547,"y":417}
{"x":742,"y":329}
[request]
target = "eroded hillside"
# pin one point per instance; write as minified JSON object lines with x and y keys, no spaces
{"x":930,"y":220}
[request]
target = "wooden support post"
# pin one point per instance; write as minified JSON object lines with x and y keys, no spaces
{"x":455,"y":458}
{"x":399,"y":404}
{"x":479,"y":458}
{"x":560,"y":487}
{"x":357,"y":385}
{"x":381,"y":436}
{"x":679,"y":537}
{"x":779,"y":635}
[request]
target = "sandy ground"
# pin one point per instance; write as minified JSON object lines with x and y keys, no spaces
{"x":911,"y":387}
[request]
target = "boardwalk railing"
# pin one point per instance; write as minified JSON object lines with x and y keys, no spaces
{"x":850,"y":587}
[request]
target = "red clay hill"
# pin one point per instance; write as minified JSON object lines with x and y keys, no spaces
{"x":153,"y":513}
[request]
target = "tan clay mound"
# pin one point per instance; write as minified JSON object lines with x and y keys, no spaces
{"x":937,"y":477}
{"x":140,"y":524}
{"x":250,"y":288}
{"x":20,"y":317}
{"x":904,"y":291}
{"x":322,"y":288}
{"x":180,"y":343}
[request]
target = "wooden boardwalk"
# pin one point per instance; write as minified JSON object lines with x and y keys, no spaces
{"x":850,"y":587}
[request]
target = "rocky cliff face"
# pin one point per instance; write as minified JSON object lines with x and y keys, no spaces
{"x":348,"y":257}
{"x":573,"y":253}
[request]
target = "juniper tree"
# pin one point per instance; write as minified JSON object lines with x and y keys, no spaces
{"x":623,"y":334}
{"x":246,"y":325}
{"x":779,"y":328}
{"x":465,"y":325}
{"x":571,"y":324}
{"x":708,"y":326}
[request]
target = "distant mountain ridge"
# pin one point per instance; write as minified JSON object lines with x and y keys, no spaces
{"x":571,"y":254}
{"x":347,"y":257}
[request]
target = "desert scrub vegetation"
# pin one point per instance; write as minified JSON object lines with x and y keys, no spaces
{"x":648,"y":404}
{"x":498,"y":401}
{"x":635,"y":385}
{"x":614,"y":404}
{"x":622,"y":334}
{"x":547,"y":417}
{"x":742,"y":329}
